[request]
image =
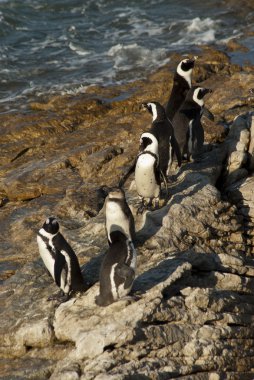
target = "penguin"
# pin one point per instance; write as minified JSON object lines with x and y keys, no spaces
{"x":117,"y":271}
{"x":187,"y":122}
{"x":163,"y":130}
{"x":147,"y":172}
{"x":181,"y":85}
{"x":60,"y":260}
{"x":118,"y":214}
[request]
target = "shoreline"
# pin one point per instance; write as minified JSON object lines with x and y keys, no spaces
{"x":239,"y":49}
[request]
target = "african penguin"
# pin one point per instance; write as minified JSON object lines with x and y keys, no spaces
{"x":118,"y":214}
{"x":187,"y":122}
{"x":147,"y":171}
{"x":181,"y":85}
{"x":117,"y":270}
{"x":163,"y":130}
{"x":59,"y":259}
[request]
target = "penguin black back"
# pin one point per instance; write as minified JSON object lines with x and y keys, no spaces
{"x":187,"y":122}
{"x":117,"y":271}
{"x":67,"y":254}
{"x":60,"y":259}
{"x":163,"y":130}
{"x":181,"y":86}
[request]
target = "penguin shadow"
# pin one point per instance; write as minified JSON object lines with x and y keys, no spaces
{"x":91,"y":270}
{"x":201,"y":274}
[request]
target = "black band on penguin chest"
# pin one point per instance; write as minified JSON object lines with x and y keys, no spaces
{"x":49,"y":248}
{"x":151,"y":154}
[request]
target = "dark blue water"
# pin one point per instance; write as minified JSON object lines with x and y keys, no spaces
{"x":59,"y":46}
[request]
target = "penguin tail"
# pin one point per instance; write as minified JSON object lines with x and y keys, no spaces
{"x":127,"y":174}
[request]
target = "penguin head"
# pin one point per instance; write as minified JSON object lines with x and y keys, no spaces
{"x":148,"y":142}
{"x":156,"y":109}
{"x":51,"y":225}
{"x":199,"y":93}
{"x":116,"y":193}
{"x":184,"y":69}
{"x":187,"y":64}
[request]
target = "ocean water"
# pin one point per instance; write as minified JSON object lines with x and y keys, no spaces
{"x":59,"y":46}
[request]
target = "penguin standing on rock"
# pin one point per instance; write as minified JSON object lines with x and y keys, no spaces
{"x":60,"y":260}
{"x":163,"y":131}
{"x":147,"y":172}
{"x":118,"y":214}
{"x":117,"y":271}
{"x":187,"y":122}
{"x":181,"y":85}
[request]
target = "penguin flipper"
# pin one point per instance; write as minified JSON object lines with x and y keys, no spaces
{"x":208,"y":114}
{"x":126,"y":273}
{"x":199,"y":135}
{"x":165,"y":182}
{"x":127,"y":174}
{"x":176,"y":149}
{"x":60,"y":263}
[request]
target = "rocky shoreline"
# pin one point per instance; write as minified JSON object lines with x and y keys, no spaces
{"x":193,"y":318}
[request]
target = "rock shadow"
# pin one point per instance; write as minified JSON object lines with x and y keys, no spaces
{"x":200,"y":275}
{"x":91,"y":270}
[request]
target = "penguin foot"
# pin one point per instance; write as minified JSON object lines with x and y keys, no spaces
{"x":141,"y":208}
{"x":156,"y":204}
{"x":132,"y":298}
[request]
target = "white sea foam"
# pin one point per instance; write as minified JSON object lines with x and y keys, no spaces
{"x":197,"y":31}
{"x":127,"y":56}
{"x":99,"y":42}
{"x":79,"y":50}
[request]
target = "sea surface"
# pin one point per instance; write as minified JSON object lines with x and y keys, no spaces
{"x":61,"y":46}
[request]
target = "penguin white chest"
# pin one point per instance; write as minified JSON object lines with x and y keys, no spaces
{"x":116,"y":220}
{"x":146,"y":184}
{"x":46,"y":255}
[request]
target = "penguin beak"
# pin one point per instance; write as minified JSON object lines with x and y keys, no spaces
{"x":141,"y":145}
{"x":106,"y":189}
{"x":191,"y":63}
{"x":144,"y":106}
